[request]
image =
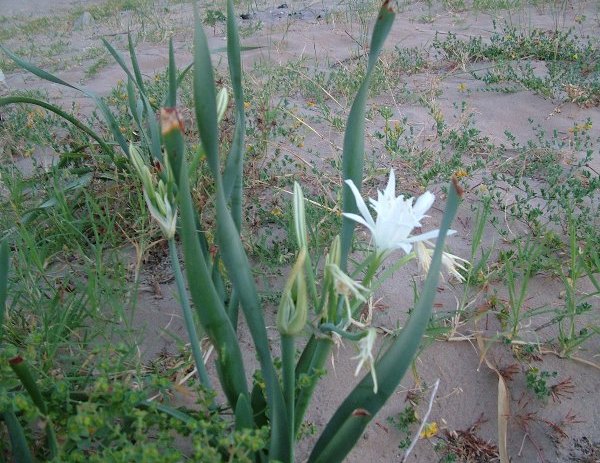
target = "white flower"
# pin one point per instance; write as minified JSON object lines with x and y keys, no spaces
{"x":365,"y":355}
{"x":396,"y":217}
{"x":450,"y":262}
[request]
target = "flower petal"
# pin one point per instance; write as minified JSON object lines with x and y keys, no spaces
{"x":359,"y":219}
{"x":390,"y":189}
{"x":423,"y":204}
{"x":427,"y":235}
{"x":360,"y":204}
{"x":423,"y":236}
{"x":406,"y":247}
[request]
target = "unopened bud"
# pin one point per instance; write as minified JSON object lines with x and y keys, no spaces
{"x":293,"y":308}
{"x":222,"y":102}
{"x":300,"y":217}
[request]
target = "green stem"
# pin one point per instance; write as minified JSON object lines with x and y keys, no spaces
{"x":374,"y":261}
{"x":188,"y":317}
{"x":21,"y":369}
{"x":310,"y":279}
{"x":288,"y":357}
{"x":572,"y":282}
{"x":331,"y":328}
{"x":374,"y":264}
{"x":321,"y":352}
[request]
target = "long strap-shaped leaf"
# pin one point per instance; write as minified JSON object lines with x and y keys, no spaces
{"x":349,"y":421}
{"x":354,"y":137}
{"x":171,"y":98}
{"x":136,"y":67}
{"x":18,"y":441}
{"x":154,"y":135}
{"x":4,"y":266}
{"x":207,"y":302}
{"x":352,"y":168}
{"x":232,"y":177}
{"x":66,"y":116}
{"x":23,"y":372}
{"x":234,"y":169}
{"x":109,"y":118}
{"x":231,"y":248}
{"x":205,"y":101}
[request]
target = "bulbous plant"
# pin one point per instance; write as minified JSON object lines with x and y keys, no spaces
{"x":326,"y":304}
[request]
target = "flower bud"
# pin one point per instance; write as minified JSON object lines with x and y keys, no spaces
{"x":222,"y":102}
{"x":159,"y":198}
{"x":293,"y":308}
{"x":300,"y":217}
{"x":334,"y":254}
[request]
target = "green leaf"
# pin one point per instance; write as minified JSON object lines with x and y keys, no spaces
{"x":4,"y":268}
{"x":172,"y":412}
{"x":172,"y":72}
{"x":231,"y":248}
{"x":66,"y":116}
{"x":317,"y":351}
{"x":75,"y":184}
{"x":349,"y":421}
{"x":18,"y":442}
{"x":104,"y":109}
{"x":208,"y":304}
{"x":153,"y":138}
{"x":311,"y":361}
{"x":354,"y":137}
{"x":134,"y":64}
{"x":232,"y":177}
{"x":243,"y":413}
{"x":205,"y":99}
{"x":135,"y":106}
{"x":239,"y":271}
{"x":24,"y":374}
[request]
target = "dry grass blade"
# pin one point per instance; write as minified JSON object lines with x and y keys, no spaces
{"x":503,"y":402}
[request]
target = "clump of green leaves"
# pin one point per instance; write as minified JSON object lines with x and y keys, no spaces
{"x":537,"y":382}
{"x":573,"y":72}
{"x":403,"y":422}
{"x":110,"y":419}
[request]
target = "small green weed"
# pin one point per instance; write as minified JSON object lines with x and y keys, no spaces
{"x":571,"y":61}
{"x":403,"y":422}
{"x":537,"y":382}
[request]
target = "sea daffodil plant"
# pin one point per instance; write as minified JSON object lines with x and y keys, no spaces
{"x":318,"y":304}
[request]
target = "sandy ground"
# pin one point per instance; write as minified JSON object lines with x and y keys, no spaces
{"x":468,"y":390}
